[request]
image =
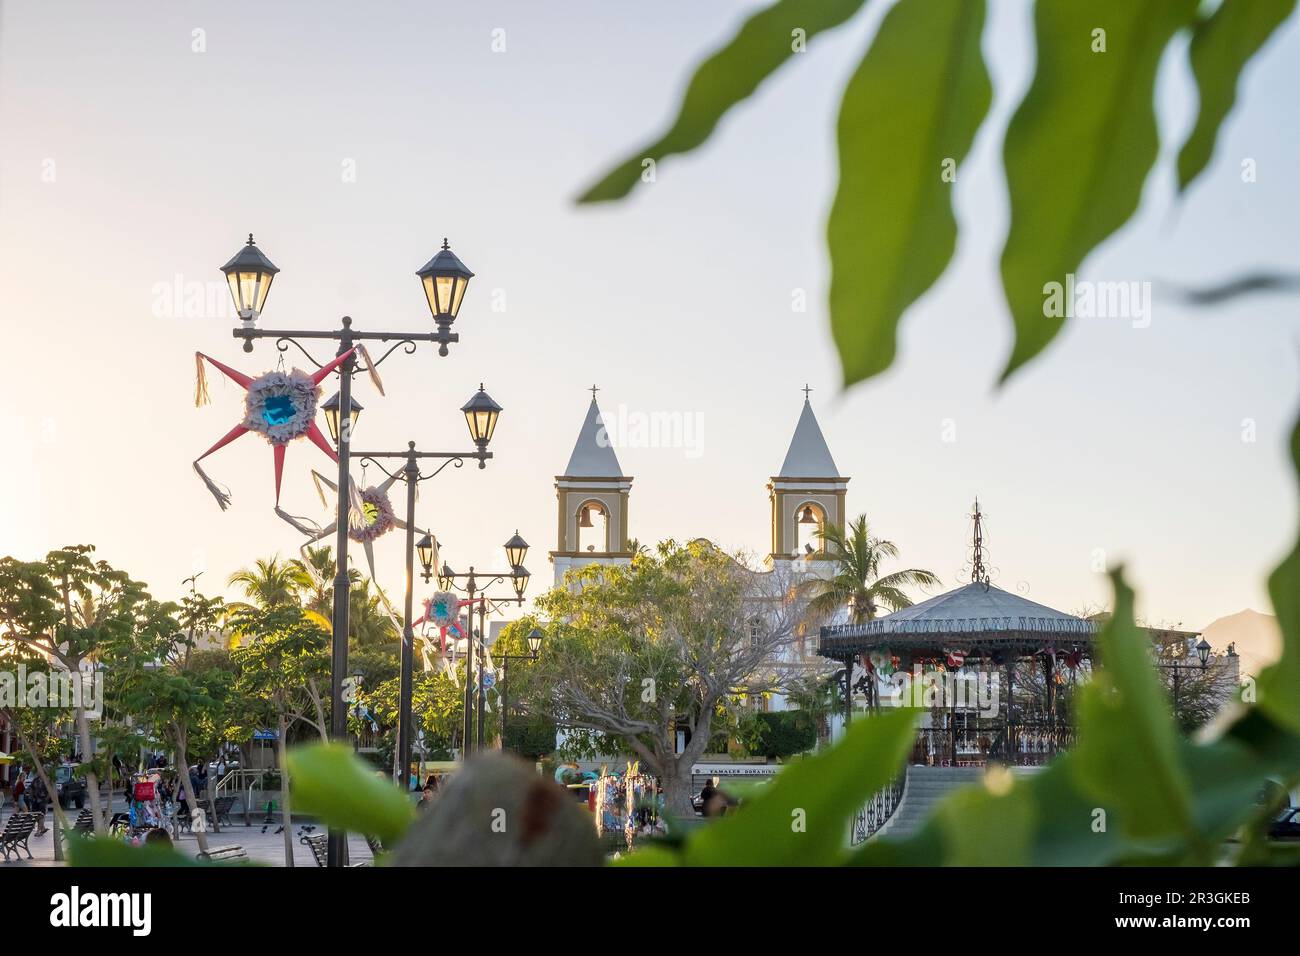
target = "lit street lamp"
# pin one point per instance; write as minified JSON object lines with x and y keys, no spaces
{"x":444,"y":278}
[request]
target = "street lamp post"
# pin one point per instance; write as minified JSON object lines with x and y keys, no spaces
{"x":534,"y":647}
{"x":1203,"y":655}
{"x":474,"y":588}
{"x":444,"y":278}
{"x":427,"y":550}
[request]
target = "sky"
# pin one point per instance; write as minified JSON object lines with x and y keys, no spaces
{"x":142,"y":142}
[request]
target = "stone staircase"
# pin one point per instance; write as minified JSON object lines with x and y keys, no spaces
{"x":926,"y":788}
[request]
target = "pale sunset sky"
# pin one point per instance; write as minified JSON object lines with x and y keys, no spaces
{"x":350,"y":138}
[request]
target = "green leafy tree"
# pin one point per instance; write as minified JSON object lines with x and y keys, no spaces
{"x":638,"y":652}
{"x":283,"y":671}
{"x":70,"y":608}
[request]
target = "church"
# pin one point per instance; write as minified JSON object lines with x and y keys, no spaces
{"x":593,"y":497}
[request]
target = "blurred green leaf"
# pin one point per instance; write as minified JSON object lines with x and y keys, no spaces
{"x":908,"y":118}
{"x":1079,"y":146}
{"x":986,"y":829}
{"x":1222,"y":44}
{"x":329,"y":782}
{"x":1279,"y":684}
{"x":649,"y":855}
{"x":1128,"y":751}
{"x":763,"y":43}
{"x":802,"y":818}
{"x":110,"y":851}
{"x":1044,"y":820}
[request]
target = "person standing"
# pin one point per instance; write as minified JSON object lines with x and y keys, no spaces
{"x":20,"y":792}
{"x":39,"y":798}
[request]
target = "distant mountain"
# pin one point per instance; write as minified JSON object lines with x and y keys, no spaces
{"x":1257,"y":636}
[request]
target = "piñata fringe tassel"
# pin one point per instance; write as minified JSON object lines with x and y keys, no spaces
{"x":222,"y":496}
{"x":305,"y":525}
{"x":200,"y":382}
{"x":370,"y":367}
{"x":320,"y":489}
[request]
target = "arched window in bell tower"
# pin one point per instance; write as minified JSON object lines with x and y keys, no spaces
{"x":808,"y":528}
{"x":593,"y":527}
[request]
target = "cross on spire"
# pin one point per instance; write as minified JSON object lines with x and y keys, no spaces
{"x":806,"y":389}
{"x":594,"y":390}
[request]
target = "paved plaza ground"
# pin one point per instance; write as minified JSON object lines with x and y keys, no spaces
{"x":266,"y":848}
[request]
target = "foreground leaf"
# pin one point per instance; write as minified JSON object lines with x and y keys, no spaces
{"x":1128,"y":750}
{"x":1222,"y":44}
{"x":1079,"y":147}
{"x":1044,"y":820}
{"x":1279,"y":684}
{"x":329,"y":782}
{"x":909,"y":116}
{"x":112,"y":852}
{"x":802,"y":818}
{"x":763,"y":43}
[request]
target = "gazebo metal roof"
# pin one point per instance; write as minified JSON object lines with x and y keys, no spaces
{"x":969,"y":615}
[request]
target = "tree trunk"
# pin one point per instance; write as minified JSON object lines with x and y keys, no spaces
{"x":92,"y":779}
{"x":191,"y":798}
{"x":286,"y":817}
{"x":60,"y":821}
{"x":677,"y":790}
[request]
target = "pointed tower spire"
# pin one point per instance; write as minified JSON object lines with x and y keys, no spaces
{"x":593,"y":454}
{"x":808,"y":455}
{"x":808,"y":491}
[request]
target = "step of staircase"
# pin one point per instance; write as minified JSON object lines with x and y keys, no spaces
{"x":926,"y":788}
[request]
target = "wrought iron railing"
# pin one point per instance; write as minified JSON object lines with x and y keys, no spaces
{"x":1031,"y":743}
{"x":876,"y":811}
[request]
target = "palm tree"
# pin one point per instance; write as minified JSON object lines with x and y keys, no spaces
{"x":857,"y":582}
{"x":317,"y":568}
{"x":271,"y":582}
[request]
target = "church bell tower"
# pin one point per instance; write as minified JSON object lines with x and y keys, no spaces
{"x":806,"y":496}
{"x":591,"y":498}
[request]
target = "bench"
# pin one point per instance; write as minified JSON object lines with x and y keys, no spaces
{"x":85,"y":821}
{"x":376,"y":847}
{"x":224,"y":854}
{"x":318,"y":843}
{"x":14,"y":837}
{"x":221,"y":811}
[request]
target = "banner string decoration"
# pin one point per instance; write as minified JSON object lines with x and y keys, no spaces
{"x":280,"y":406}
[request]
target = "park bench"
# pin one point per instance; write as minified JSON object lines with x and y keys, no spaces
{"x":14,"y":837}
{"x":318,"y":843}
{"x":221,"y":810}
{"x":85,"y":822}
{"x":376,"y":847}
{"x":224,"y":854}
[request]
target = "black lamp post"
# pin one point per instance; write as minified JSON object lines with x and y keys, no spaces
{"x":476,"y":583}
{"x":535,"y":637}
{"x":1177,"y":667}
{"x":250,"y":274}
{"x":427,"y":551}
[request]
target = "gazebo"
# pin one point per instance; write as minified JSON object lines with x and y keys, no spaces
{"x":977,"y":630}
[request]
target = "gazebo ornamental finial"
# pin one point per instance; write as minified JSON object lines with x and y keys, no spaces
{"x":978,"y":574}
